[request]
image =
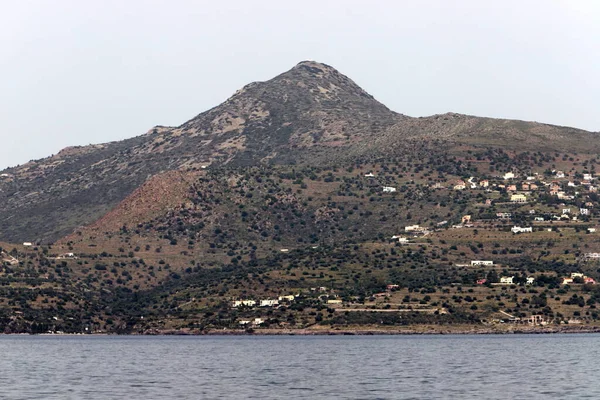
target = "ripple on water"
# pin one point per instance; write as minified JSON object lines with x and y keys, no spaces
{"x":295,"y":367}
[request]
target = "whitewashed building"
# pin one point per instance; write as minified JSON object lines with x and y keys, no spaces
{"x":507,"y":280}
{"x":482,"y":262}
{"x":518,"y":198}
{"x":518,"y":229}
{"x":269,"y":303}
{"x":247,"y":303}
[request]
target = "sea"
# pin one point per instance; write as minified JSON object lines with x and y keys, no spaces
{"x":548,"y":366}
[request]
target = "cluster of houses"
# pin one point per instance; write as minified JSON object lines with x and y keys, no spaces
{"x":578,"y":276}
{"x":531,"y":183}
{"x":518,"y":194}
{"x":575,"y":277}
{"x":565,"y":186}
{"x":555,"y":187}
{"x":416,"y":230}
{"x":401,"y":239}
{"x":66,"y":256}
{"x":263,"y":302}
{"x":506,"y":280}
{"x":254,"y":322}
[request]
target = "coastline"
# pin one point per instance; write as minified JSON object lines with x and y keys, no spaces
{"x":391,"y":331}
{"x":350,"y":331}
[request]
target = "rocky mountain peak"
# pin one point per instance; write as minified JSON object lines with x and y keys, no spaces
{"x":311,"y":114}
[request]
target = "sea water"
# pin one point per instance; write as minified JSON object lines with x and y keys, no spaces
{"x":301,"y":367}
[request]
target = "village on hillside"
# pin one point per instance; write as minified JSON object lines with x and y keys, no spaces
{"x":386,"y":243}
{"x":545,"y":204}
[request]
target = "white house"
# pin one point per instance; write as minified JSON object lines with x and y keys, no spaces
{"x":403,"y":240}
{"x":247,"y":303}
{"x":507,"y":280}
{"x":269,"y":303}
{"x":412,"y":228}
{"x":289,"y":297}
{"x":258,"y":321}
{"x":284,"y":250}
{"x":66,"y":256}
{"x":369,"y":175}
{"x":564,"y":196}
{"x":566,"y":281}
{"x":587,"y":177}
{"x":591,"y":230}
{"x":566,"y":211}
{"x":518,"y":198}
{"x":584,"y":211}
{"x":518,"y":229}
{"x":471,"y":183}
{"x":560,"y":174}
{"x":530,"y":280}
{"x":27,"y":244}
{"x":482,"y":262}
{"x":509,"y":175}
{"x":389,"y":189}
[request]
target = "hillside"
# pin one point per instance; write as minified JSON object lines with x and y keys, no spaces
{"x":275,"y":248}
{"x":310,"y":115}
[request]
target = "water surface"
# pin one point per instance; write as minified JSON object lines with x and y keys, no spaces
{"x":300,"y":367}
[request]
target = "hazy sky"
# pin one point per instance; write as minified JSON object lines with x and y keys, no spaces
{"x":80,"y":72}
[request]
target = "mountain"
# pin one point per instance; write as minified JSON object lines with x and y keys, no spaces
{"x":310,"y":115}
{"x":302,"y":204}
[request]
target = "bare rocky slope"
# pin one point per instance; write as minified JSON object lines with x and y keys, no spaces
{"x":310,"y":115}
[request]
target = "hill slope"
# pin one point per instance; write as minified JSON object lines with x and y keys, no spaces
{"x":177,"y":253}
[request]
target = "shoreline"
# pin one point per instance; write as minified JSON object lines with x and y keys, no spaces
{"x":350,"y":331}
{"x":392,"y":331}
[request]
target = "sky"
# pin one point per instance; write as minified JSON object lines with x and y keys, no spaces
{"x":80,"y":72}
